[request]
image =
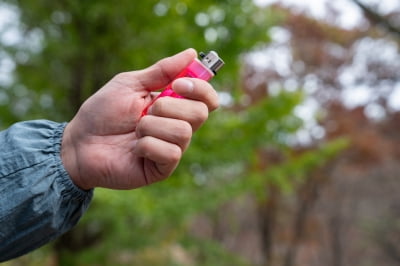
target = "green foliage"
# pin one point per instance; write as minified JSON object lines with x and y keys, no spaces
{"x":71,"y":48}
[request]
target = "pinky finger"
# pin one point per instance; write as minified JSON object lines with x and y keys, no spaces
{"x":164,"y":155}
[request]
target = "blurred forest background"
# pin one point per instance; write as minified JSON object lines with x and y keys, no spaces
{"x":299,"y":166}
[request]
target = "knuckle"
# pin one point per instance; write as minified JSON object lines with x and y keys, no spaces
{"x":184,"y":131}
{"x":122,"y":76}
{"x":141,"y":128}
{"x":201,"y":114}
{"x":158,"y":106}
{"x":209,"y":96}
{"x":214,"y":102}
{"x":144,"y":146}
{"x":175,"y":154}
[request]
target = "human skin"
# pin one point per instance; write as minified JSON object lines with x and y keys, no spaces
{"x":109,"y":144}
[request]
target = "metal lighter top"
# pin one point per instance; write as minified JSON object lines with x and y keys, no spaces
{"x":212,"y":61}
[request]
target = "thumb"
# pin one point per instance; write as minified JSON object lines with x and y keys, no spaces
{"x":164,"y":71}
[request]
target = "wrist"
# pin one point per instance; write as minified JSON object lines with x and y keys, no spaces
{"x":70,"y":158}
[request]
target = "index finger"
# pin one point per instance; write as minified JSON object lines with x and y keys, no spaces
{"x":197,"y":89}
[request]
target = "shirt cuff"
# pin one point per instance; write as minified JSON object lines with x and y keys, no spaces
{"x":64,"y":178}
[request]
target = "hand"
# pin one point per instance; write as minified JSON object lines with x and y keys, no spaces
{"x":108,"y":143}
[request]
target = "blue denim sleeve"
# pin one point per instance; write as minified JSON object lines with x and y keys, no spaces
{"x":38,"y":200}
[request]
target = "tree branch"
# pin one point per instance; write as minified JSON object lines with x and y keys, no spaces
{"x":378,"y":19}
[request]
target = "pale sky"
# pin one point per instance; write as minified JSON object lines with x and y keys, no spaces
{"x":349,"y":15}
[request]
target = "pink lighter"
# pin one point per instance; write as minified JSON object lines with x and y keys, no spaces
{"x":205,"y":68}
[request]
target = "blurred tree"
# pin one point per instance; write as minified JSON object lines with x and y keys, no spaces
{"x":381,"y":20}
{"x":70,"y":49}
{"x":342,"y":213}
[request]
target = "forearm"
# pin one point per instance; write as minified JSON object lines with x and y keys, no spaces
{"x":38,"y":199}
